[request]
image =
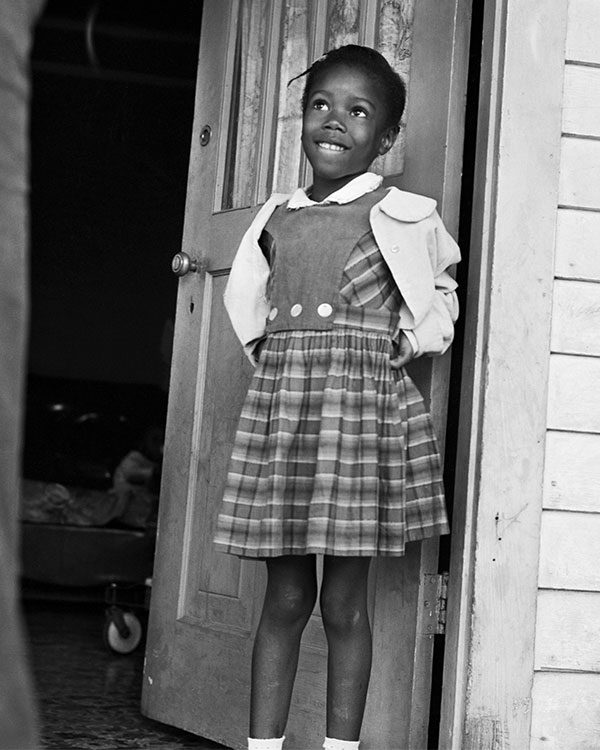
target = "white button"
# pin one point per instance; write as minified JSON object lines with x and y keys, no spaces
{"x":296,"y":310}
{"x":273,"y":313}
{"x":395,"y":248}
{"x":325,"y":310}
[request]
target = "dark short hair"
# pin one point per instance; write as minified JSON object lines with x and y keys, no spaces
{"x":370,"y":62}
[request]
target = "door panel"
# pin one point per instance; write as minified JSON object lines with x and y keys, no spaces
{"x":205,"y":604}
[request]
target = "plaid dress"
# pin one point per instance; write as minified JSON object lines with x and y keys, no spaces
{"x":335,"y":452}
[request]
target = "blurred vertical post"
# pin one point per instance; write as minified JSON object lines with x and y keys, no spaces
{"x":18,"y":722}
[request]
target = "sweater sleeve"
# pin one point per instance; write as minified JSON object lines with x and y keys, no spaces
{"x":245,"y":295}
{"x":434,"y":334}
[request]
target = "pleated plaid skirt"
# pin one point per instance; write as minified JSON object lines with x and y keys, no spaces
{"x":335,"y":452}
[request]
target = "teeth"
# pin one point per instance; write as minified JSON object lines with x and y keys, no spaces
{"x":331,"y":146}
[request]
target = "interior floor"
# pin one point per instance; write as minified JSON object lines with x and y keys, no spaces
{"x":89,"y":696}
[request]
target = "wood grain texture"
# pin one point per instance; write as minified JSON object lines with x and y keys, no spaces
{"x":568,"y":631}
{"x":581,"y":109}
{"x":583,"y":36}
{"x":569,"y":551}
{"x":574,"y":393}
{"x":576,"y":317}
{"x":572,"y":471}
{"x":515,"y":227}
{"x":578,"y":244}
{"x":566,"y":712}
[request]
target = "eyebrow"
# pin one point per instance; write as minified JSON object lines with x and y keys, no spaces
{"x":324,"y":92}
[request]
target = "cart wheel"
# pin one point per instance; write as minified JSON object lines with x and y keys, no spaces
{"x":123,"y":633}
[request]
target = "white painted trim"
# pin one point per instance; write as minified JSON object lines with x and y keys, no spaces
{"x":498,"y":494}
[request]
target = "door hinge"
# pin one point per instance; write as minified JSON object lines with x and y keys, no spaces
{"x":434,"y":599}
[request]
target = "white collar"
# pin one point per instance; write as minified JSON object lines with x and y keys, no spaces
{"x":364,"y":183}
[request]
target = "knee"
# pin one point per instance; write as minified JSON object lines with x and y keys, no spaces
{"x":342,"y":615}
{"x":290,"y":604}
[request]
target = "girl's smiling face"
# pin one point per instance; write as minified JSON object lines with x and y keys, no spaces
{"x":344,"y":127}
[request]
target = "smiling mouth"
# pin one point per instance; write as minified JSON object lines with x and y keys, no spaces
{"x":330,"y":146}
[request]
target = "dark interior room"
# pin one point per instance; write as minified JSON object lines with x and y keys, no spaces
{"x":110,"y":122}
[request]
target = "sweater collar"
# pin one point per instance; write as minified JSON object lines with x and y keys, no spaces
{"x":364,"y":183}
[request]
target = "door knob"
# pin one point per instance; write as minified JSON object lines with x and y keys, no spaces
{"x":182,"y":264}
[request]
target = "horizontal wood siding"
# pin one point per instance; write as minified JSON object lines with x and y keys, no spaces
{"x":580,"y":173}
{"x":576,"y":317}
{"x":574,"y":393}
{"x":569,"y":711}
{"x":583,"y":33}
{"x":568,"y":632}
{"x":563,"y":564}
{"x":580,"y":115}
{"x":566,"y":692}
{"x":572,"y":471}
{"x":578,"y":245}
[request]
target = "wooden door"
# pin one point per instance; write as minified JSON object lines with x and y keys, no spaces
{"x":246,"y":143}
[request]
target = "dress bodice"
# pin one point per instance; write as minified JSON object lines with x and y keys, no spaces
{"x":310,"y":249}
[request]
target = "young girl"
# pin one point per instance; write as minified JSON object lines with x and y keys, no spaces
{"x":333,"y":290}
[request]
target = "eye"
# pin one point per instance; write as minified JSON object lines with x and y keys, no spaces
{"x":319,"y":104}
{"x":359,"y":112}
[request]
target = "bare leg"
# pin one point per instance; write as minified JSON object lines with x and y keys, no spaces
{"x":346,"y":621}
{"x":289,"y":601}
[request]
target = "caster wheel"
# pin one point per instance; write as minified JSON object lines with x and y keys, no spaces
{"x":123,"y":633}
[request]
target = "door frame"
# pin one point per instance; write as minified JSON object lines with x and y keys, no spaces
{"x":492,"y":597}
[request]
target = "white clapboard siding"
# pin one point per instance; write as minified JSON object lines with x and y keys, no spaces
{"x":570,"y":551}
{"x":579,"y":183}
{"x":581,"y":105}
{"x":568,"y":631}
{"x":578,"y":244}
{"x":572,"y":471}
{"x":566,"y":712}
{"x":576,"y":317}
{"x":583,"y":34}
{"x":566,"y":692}
{"x":574,"y":393}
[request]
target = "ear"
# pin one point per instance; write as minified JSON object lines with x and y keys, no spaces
{"x":387,"y":139}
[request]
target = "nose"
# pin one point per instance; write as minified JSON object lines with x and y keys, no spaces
{"x":334,"y":122}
